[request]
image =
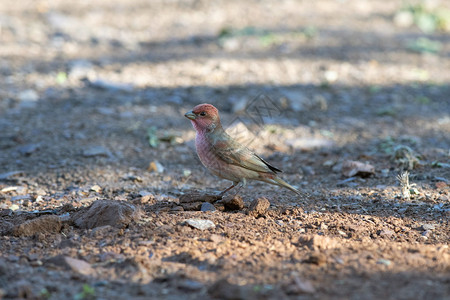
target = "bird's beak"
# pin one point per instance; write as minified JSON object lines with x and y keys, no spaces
{"x":190,"y":115}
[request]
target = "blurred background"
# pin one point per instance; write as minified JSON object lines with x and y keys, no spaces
{"x":106,"y":83}
{"x":92,"y":102}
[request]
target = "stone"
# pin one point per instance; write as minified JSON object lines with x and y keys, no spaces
{"x":258,"y":207}
{"x":106,"y":212}
{"x":43,"y":224}
{"x":233,"y":203}
{"x":92,"y":151}
{"x":206,"y":206}
{"x":77,"y":265}
{"x":200,"y":224}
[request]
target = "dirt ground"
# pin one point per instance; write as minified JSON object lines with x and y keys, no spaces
{"x":101,"y":191}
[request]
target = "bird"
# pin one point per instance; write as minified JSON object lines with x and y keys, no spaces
{"x":226,"y":158}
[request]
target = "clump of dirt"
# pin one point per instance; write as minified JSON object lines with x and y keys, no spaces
{"x":106,"y":212}
{"x":234,"y":202}
{"x":43,"y":224}
{"x":258,"y":207}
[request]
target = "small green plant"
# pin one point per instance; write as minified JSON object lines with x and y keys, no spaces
{"x":87,"y":293}
{"x":426,"y":17}
{"x":153,"y":139}
{"x":425,"y":45}
{"x":44,"y":294}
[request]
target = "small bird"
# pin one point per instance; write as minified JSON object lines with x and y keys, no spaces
{"x":224,"y":156}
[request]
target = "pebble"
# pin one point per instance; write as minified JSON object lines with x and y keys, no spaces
{"x":81,"y":69}
{"x":96,"y":188}
{"x":428,"y":227}
{"x":386,"y":233}
{"x":111,"y":86}
{"x":300,"y":286}
{"x":76,"y":265}
{"x":155,"y":166}
{"x":8,"y":175}
{"x":190,"y":285}
{"x":20,"y":198}
{"x":307,"y":144}
{"x":234,"y":203}
{"x":28,"y":98}
{"x":258,"y":207}
{"x":14,"y":207}
{"x":200,"y":223}
{"x":28,"y":149}
{"x":383,"y":261}
{"x":207,"y":207}
{"x":96,"y":151}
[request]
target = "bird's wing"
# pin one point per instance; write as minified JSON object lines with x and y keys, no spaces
{"x":237,"y":154}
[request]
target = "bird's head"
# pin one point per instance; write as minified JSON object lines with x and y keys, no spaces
{"x":204,"y":117}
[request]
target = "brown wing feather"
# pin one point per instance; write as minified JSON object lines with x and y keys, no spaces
{"x":235,"y":153}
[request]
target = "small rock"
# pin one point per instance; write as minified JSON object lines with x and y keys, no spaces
{"x":279,"y":222}
{"x":9,"y":189}
{"x":111,"y":86}
{"x":177,"y":208}
{"x":28,"y":98}
{"x":96,"y":151}
{"x":28,"y":149}
{"x":132,"y":177}
{"x":206,"y":206}
{"x":307,"y":144}
{"x":299,"y":286}
{"x":190,"y":285}
{"x":258,"y":207}
{"x":318,"y":242}
{"x":106,"y":212}
{"x":43,"y":224}
{"x":9,"y":175}
{"x":80,"y":69}
{"x":96,"y":188}
{"x":199,"y":197}
{"x":352,"y":168}
{"x":316,"y":259}
{"x":233,"y":203}
{"x":426,"y":233}
{"x":386,"y":233}
{"x":69,"y":263}
{"x":20,"y":198}
{"x":200,"y":224}
{"x":385,"y":262}
{"x":428,"y":227}
{"x":14,"y":207}
{"x":146,"y":198}
{"x":156,"y":167}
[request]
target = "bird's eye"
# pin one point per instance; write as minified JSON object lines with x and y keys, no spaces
{"x":202,"y":114}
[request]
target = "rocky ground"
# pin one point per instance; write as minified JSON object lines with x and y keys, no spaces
{"x":103,"y":197}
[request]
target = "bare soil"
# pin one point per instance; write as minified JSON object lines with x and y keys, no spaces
{"x":98,"y":173}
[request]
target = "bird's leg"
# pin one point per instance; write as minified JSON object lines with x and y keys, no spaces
{"x":229,"y":188}
{"x":241,"y":184}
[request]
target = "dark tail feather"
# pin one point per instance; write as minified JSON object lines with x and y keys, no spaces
{"x":281,"y":182}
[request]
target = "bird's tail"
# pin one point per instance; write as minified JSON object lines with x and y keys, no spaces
{"x":278,"y":181}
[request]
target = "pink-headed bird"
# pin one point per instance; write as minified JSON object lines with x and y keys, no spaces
{"x":225,"y":157}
